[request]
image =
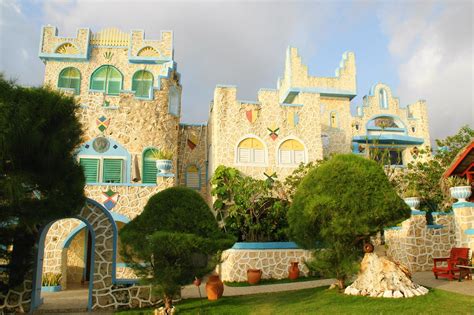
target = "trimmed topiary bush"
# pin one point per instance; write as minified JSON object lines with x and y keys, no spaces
{"x":174,"y":240}
{"x":338,"y":206}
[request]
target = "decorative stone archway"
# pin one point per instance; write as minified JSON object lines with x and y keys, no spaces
{"x":105,"y":292}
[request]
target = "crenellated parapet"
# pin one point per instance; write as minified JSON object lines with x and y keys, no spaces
{"x":296,"y":78}
{"x":53,"y":46}
{"x":140,"y":50}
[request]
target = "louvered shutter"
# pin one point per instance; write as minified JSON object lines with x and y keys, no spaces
{"x":192,"y":177}
{"x":244,"y":155}
{"x":299,"y":157}
{"x":258,"y":156}
{"x":149,"y":171}
{"x":112,"y":171}
{"x":285,"y":157}
{"x":91,"y":169}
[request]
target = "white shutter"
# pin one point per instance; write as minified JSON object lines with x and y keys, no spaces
{"x":299,"y":157}
{"x":285,"y":157}
{"x":244,"y":155}
{"x":192,"y":180}
{"x":258,"y":156}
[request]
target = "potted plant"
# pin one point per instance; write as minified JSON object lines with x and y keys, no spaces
{"x":459,"y":188}
{"x":51,"y":282}
{"x":163,"y":160}
{"x":411,"y":196}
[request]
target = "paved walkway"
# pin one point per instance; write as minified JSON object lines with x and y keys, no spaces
{"x":68,"y":301}
{"x":191,"y":291}
{"x":426,"y":278}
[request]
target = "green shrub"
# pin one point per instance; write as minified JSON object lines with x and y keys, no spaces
{"x":339,"y":205}
{"x":174,"y":240}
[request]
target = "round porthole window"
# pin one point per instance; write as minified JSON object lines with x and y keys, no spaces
{"x":101,"y":144}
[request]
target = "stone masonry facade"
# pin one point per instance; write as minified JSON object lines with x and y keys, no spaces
{"x":305,"y":118}
{"x":415,"y":243}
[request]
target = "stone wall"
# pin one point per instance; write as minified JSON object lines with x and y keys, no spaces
{"x":274,"y":263}
{"x":17,"y":300}
{"x":415,"y":243}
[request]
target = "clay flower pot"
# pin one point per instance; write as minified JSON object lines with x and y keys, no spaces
{"x":197,"y":282}
{"x":214,"y":288}
{"x":254,"y":276}
{"x":293,"y":271}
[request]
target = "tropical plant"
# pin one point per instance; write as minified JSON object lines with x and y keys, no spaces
{"x":339,"y":206}
{"x":40,"y":179}
{"x":427,"y":170}
{"x":456,"y":181}
{"x":51,"y":279}
{"x":253,"y":210}
{"x":161,"y":154}
{"x":174,"y":240}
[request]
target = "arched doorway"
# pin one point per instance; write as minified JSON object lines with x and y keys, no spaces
{"x":101,"y":246}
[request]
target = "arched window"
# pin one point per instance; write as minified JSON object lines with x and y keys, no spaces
{"x":142,"y":84}
{"x":192,"y":176}
{"x":251,"y":150}
{"x":70,"y":78}
{"x":149,"y":167}
{"x":291,"y":152}
{"x":107,"y":79}
{"x":333,"y":119}
{"x":383,"y":101}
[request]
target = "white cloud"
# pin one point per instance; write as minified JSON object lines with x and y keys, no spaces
{"x":433,"y":45}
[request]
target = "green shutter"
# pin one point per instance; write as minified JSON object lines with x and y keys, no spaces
{"x":70,"y":78}
{"x":91,"y":169}
{"x":149,"y":171}
{"x":112,"y":171}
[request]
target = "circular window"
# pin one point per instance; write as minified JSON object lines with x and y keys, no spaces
{"x":101,"y":144}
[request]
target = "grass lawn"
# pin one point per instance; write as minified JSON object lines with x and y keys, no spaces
{"x":324,"y":301}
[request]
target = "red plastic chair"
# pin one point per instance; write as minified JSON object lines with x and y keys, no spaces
{"x":457,"y":256}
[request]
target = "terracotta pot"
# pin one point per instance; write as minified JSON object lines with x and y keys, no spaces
{"x":254,"y":276}
{"x":368,"y":248}
{"x":197,"y":282}
{"x":293,"y":271}
{"x":214,"y":288}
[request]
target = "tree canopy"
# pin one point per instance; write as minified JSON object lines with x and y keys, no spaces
{"x":171,"y":241}
{"x":40,"y":179}
{"x":338,"y":206}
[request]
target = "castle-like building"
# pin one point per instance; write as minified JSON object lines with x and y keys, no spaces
{"x":129,"y":93}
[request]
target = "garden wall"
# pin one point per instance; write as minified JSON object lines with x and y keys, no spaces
{"x":274,"y":262}
{"x":415,"y":243}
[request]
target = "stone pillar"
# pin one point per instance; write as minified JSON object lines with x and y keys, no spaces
{"x":464,"y":222}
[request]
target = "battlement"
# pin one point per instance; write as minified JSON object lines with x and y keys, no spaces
{"x":78,"y":48}
{"x":296,"y":78}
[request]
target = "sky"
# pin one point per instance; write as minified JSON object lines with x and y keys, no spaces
{"x":421,"y":49}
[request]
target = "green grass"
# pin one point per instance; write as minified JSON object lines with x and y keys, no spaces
{"x":324,"y":301}
{"x":270,"y":281}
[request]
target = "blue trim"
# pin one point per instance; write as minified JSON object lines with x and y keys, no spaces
{"x":388,"y":139}
{"x":120,"y":151}
{"x":290,"y":95}
{"x":469,"y":231}
{"x":435,"y":226}
{"x":165,"y":175}
{"x":417,"y":212}
{"x":51,"y":288}
{"x":121,"y":265}
{"x":386,"y":129}
{"x":291,"y":105}
{"x":442,"y":213}
{"x":121,"y":184}
{"x":193,"y":125}
{"x":72,"y":234}
{"x":118,"y":217}
{"x":127,"y":281}
{"x":393,"y":228}
{"x":463,"y":205}
{"x":265,"y":245}
{"x":62,"y":57}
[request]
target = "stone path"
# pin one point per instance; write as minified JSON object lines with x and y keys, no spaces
{"x":69,"y":301}
{"x":426,"y":278}
{"x":191,"y":291}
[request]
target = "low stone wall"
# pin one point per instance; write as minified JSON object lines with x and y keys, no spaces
{"x":274,"y":263}
{"x":415,"y":243}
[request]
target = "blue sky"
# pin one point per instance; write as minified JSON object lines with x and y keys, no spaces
{"x":422,"y":49}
